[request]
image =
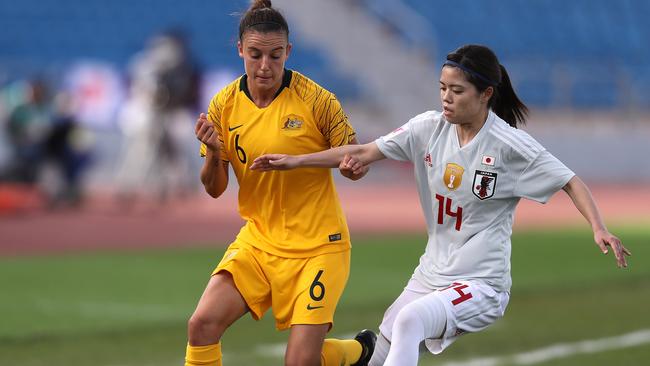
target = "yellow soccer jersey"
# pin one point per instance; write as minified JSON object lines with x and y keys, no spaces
{"x":293,"y":213}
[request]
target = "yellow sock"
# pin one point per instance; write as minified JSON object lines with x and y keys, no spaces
{"x":340,"y":352}
{"x":209,"y":355}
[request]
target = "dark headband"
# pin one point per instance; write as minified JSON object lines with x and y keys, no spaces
{"x":471,"y":72}
{"x":265,"y":23}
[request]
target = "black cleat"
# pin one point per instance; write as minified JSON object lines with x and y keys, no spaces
{"x":367,"y":338}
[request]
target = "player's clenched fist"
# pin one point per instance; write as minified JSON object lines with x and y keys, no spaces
{"x":351,"y":168}
{"x":206,"y":133}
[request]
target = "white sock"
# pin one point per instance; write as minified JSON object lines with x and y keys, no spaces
{"x":381,"y":351}
{"x":417,"y":321}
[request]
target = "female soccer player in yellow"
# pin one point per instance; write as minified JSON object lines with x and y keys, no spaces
{"x":293,"y":253}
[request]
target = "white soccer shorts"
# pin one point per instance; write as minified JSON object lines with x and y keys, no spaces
{"x":471,"y":306}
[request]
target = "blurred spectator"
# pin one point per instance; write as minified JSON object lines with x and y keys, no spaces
{"x":27,"y":127}
{"x":48,"y":151}
{"x":68,"y":150}
{"x":157,"y":120}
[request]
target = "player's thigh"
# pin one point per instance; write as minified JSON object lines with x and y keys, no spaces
{"x":248,"y":267}
{"x":221,"y":302}
{"x":311,"y":294}
{"x":471,"y":306}
{"x":412,"y":292}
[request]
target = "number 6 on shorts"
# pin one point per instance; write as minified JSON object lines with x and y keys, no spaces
{"x":316,"y":284}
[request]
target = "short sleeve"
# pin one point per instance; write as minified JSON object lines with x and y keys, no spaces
{"x":331,"y":119}
{"x":544,"y":176}
{"x":397,"y":145}
{"x":214,"y":116}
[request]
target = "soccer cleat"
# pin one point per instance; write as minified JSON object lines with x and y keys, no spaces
{"x":367,"y":338}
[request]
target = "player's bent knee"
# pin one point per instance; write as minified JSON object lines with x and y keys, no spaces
{"x":203,"y":330}
{"x":425,"y":318}
{"x":408,"y":321}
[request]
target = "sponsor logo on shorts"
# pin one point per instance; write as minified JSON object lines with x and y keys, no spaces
{"x":310,"y":307}
{"x":427,"y":159}
{"x":459,"y":332}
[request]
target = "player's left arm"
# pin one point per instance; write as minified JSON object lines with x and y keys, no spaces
{"x":584,"y":202}
{"x":350,"y":167}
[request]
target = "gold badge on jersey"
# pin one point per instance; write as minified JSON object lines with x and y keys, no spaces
{"x":292,"y":122}
{"x":453,"y":176}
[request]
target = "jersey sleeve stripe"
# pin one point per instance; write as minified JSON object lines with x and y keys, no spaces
{"x":513,"y":141}
{"x":518,"y":148}
{"x":530,"y":142}
{"x":524,"y":138}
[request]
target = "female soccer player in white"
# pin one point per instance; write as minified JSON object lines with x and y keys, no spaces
{"x":472,"y":166}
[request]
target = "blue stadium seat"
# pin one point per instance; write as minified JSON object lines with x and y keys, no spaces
{"x":610,"y":38}
{"x":41,"y":34}
{"x":564,"y":34}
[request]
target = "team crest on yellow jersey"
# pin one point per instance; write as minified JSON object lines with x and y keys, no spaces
{"x":292,"y":122}
{"x":453,"y":176}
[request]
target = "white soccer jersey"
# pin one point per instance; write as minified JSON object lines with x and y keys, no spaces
{"x":469,"y":194}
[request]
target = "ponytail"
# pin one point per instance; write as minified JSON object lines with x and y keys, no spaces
{"x":505,"y":102}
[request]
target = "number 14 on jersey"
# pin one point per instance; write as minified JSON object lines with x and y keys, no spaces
{"x":444,"y":209}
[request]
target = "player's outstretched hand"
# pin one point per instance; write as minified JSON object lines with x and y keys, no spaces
{"x":351,"y":168}
{"x":605,"y":239}
{"x":274,"y":162}
{"x":206,"y":133}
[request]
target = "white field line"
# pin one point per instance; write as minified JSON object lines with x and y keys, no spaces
{"x":560,"y":350}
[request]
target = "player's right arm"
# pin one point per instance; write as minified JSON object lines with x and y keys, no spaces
{"x":214,"y":173}
{"x":362,"y":155}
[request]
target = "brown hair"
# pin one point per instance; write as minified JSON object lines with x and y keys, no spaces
{"x":262,"y":17}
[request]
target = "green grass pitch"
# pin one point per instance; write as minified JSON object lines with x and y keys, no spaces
{"x":131,"y":308}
